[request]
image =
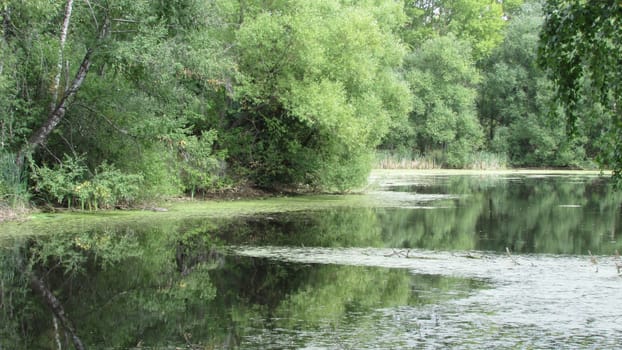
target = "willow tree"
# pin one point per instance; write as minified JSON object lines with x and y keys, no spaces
{"x":478,"y":22}
{"x":443,"y":79}
{"x":581,"y":44}
{"x":319,"y":90}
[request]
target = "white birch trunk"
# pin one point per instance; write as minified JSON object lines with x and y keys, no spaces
{"x":61,"y":48}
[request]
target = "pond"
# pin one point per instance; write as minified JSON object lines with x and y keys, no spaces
{"x":421,"y":260}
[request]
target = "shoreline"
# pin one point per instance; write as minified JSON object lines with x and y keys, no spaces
{"x":12,"y":215}
{"x":519,"y":171}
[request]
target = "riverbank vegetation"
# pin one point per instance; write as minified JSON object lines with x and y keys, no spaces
{"x":108,"y":104}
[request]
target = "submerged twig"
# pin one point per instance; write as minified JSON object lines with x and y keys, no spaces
{"x":507,"y":250}
{"x":593,"y":260}
{"x":618,"y":263}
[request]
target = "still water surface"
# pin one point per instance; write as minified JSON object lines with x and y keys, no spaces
{"x":420,"y":261}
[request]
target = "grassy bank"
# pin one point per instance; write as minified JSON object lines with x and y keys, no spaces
{"x":75,"y":221}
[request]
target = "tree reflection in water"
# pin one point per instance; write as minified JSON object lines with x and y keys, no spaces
{"x":178,"y":285}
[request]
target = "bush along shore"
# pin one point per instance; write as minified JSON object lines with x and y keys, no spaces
{"x":94,"y":118}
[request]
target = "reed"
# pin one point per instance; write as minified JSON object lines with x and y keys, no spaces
{"x":487,"y":161}
{"x":509,"y":254}
{"x":593,"y":260}
{"x":401,"y":160}
{"x":405,"y":160}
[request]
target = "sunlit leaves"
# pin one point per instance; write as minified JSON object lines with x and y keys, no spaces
{"x":478,"y":22}
{"x":328,"y":65}
{"x":443,"y":78}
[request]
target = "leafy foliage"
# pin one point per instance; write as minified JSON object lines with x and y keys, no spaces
{"x":443,"y":80}
{"x":13,"y":185}
{"x":581,"y":43}
{"x":478,"y":22}
{"x":516,"y":100}
{"x":292,"y":95}
{"x":318,"y":91}
{"x":200,"y":167}
{"x":69,"y":182}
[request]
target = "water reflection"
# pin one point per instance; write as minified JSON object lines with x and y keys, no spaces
{"x":182,"y":284}
{"x":553,"y":215}
{"x":287,"y":306}
{"x":541,"y":214}
{"x":173,"y":287}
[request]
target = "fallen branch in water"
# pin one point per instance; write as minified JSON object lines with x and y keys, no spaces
{"x":471,"y":256}
{"x":407,"y":253}
{"x":399,"y":253}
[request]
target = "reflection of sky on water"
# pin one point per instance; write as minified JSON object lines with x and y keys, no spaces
{"x":544,"y":300}
{"x":539,"y":301}
{"x":412,"y":200}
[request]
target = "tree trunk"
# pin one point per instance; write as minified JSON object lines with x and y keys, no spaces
{"x":59,"y":346}
{"x":38,"y":286}
{"x":60,"y":108}
{"x":6,"y":22}
{"x":41,"y":135}
{"x":61,"y":48}
{"x":58,"y":113}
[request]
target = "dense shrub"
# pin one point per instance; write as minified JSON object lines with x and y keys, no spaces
{"x":70,"y":183}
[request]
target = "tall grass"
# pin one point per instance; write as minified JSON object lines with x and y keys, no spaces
{"x":436,"y":160}
{"x":390,"y":160}
{"x":13,"y":183}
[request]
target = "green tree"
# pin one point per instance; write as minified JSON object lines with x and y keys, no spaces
{"x":443,"y":79}
{"x":516,"y":99}
{"x":153,"y":98}
{"x":135,"y":83}
{"x":319,"y":90}
{"x":479,"y":22}
{"x":581,"y":42}
{"x":298,"y":93}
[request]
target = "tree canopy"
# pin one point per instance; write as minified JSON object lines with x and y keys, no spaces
{"x":319,"y":84}
{"x":516,"y":101}
{"x":443,"y":79}
{"x":111,"y":103}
